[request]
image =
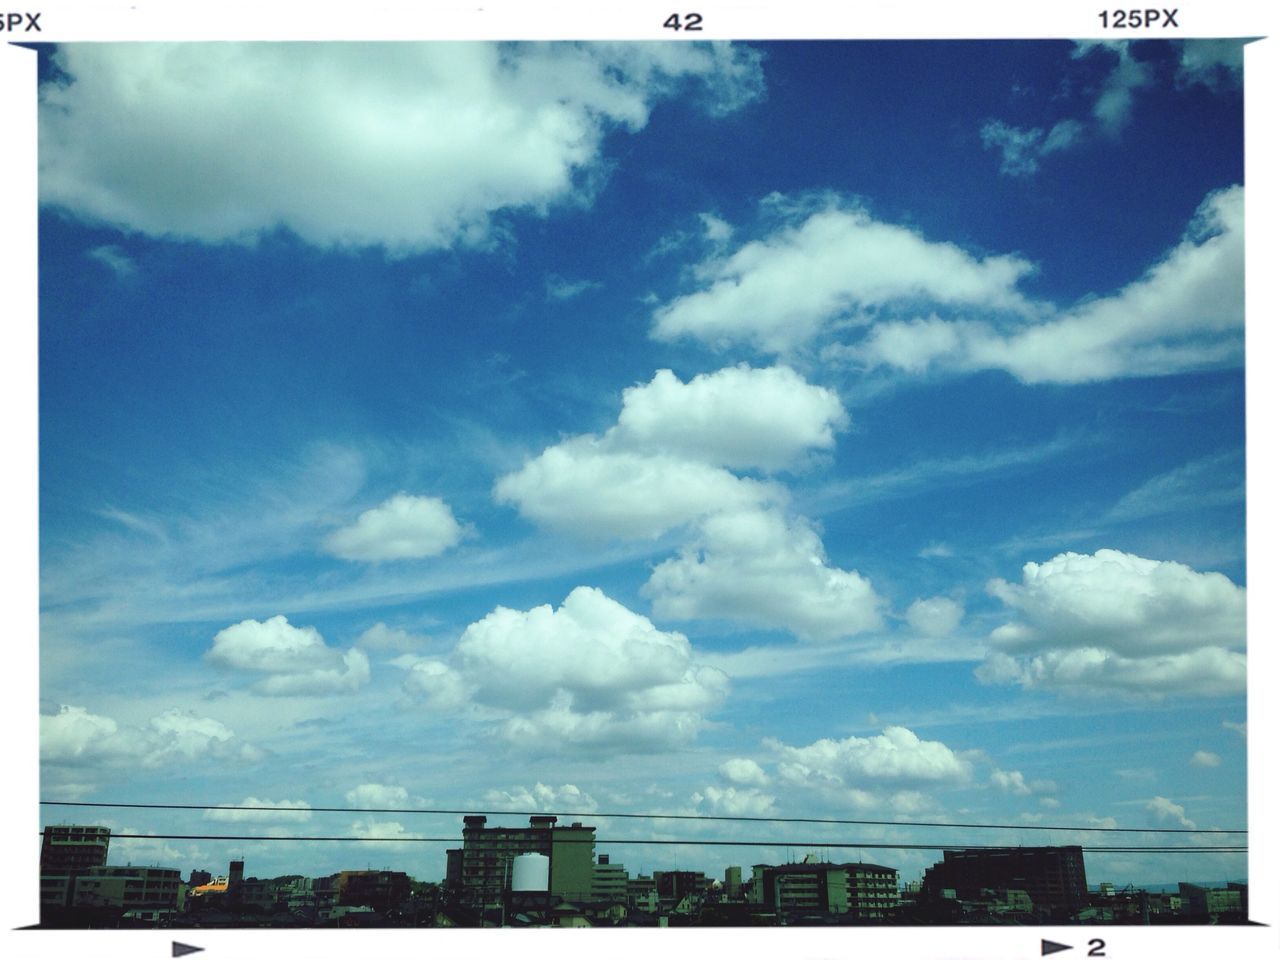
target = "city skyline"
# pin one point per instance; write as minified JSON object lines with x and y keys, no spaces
{"x":819,"y":430}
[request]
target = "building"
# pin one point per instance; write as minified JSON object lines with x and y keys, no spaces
{"x":675,"y":885}
{"x":733,"y":883}
{"x":642,"y":894}
{"x":381,"y":890}
{"x":128,"y":888}
{"x":1201,"y":901}
{"x":609,"y":881}
{"x":1053,"y":877}
{"x":863,"y":891}
{"x":484,"y":864}
{"x":66,"y":852}
{"x":67,"y":849}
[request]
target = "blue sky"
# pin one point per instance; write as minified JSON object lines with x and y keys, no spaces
{"x":841,"y":429}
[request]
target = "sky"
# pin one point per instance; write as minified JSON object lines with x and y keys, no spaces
{"x":827,"y":429}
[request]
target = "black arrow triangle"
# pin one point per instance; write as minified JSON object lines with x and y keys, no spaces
{"x":182,"y":949}
{"x":1048,"y":946}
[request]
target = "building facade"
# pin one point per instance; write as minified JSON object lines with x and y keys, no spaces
{"x":863,"y":891}
{"x":484,"y":865}
{"x":1053,"y":877}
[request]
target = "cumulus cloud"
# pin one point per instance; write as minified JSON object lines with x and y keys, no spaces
{"x":897,"y":757}
{"x":760,"y":568}
{"x":1205,"y":758}
{"x":264,"y":811}
{"x":737,"y":417}
{"x":1162,"y":811}
{"x":1116,"y":622}
{"x":667,"y":461}
{"x":566,"y":798}
{"x":296,"y":660}
{"x":74,"y":736}
{"x":733,"y":801}
{"x":588,"y":675}
{"x":1010,"y":781}
{"x":403,"y":527}
{"x":935,"y":616}
{"x":825,"y":265}
{"x":744,"y":772}
{"x":1185,"y":313}
{"x":407,"y":146}
{"x":586,"y":488}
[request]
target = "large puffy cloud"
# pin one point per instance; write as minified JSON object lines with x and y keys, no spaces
{"x":74,"y":736}
{"x":296,"y":660}
{"x":586,"y":487}
{"x":403,"y":527}
{"x":1116,"y":622}
{"x":778,"y":292}
{"x":1185,"y":313}
{"x":895,"y":756}
{"x":738,"y":417}
{"x":590,"y":674}
{"x":405,"y":146}
{"x":667,"y":461}
{"x":757,"y":567}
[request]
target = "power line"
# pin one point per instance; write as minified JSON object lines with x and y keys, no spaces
{"x":640,"y":816}
{"x":690,"y":842}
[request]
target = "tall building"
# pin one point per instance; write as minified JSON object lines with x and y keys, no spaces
{"x":65,"y":849}
{"x":732,"y":883}
{"x":66,"y":852}
{"x":487,"y":854}
{"x":382,"y":890}
{"x":1053,"y":877}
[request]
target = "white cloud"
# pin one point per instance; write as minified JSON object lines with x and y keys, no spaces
{"x":119,"y":262}
{"x":897,"y":757}
{"x":566,"y":798}
{"x":779,"y":292}
{"x":558,"y":288}
{"x":756,"y":567}
{"x":588,"y":675}
{"x":1116,"y":622}
{"x":296,"y":659}
{"x":437,"y":685}
{"x":382,"y":637}
{"x":1185,"y":313}
{"x":744,"y":772}
{"x":737,"y":417}
{"x":1161,"y":811}
{"x":1114,"y":107}
{"x":403,"y":527}
{"x":587,"y":487}
{"x":1216,"y":63}
{"x":1205,"y":758}
{"x":265,"y":811}
{"x":74,"y":736}
{"x":734,"y":801}
{"x":408,"y":146}
{"x":1021,"y":148}
{"x":1011,"y":781}
{"x":1239,"y":728}
{"x":663,"y":464}
{"x":935,"y":617}
{"x":379,"y":796}
{"x":715,"y":229}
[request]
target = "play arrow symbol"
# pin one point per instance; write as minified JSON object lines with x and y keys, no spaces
{"x":182,"y":949}
{"x":1048,"y":946}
